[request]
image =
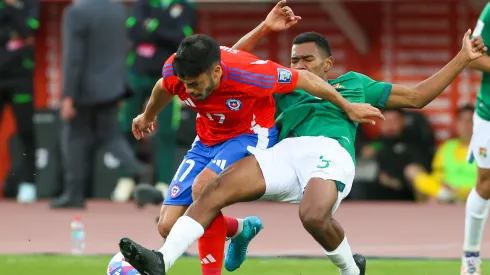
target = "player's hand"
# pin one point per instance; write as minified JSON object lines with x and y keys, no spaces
{"x":67,"y":110}
{"x":142,"y":126}
{"x":473,"y":47}
{"x":281,"y":17}
{"x":363,"y":113}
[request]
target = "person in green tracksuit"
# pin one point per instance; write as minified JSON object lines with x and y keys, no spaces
{"x":19,"y":20}
{"x":155,"y":29}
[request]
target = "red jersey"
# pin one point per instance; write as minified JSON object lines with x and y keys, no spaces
{"x":242,"y":103}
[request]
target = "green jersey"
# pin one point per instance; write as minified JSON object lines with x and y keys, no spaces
{"x":483,"y":99}
{"x":301,"y":114}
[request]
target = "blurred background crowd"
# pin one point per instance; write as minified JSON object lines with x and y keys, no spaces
{"x":74,"y":75}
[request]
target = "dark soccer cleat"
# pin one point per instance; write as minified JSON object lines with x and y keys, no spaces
{"x":361,"y":263}
{"x":147,"y":194}
{"x":147,"y":262}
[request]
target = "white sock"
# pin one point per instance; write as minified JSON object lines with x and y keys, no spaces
{"x":476,"y":216}
{"x":342,"y":258}
{"x":183,"y":234}
{"x":240,"y":228}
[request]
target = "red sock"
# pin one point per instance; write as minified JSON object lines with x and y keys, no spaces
{"x":232,"y":226}
{"x":212,"y":247}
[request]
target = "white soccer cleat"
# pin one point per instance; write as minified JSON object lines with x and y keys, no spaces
{"x":123,"y":190}
{"x":27,"y":193}
{"x":471,"y":265}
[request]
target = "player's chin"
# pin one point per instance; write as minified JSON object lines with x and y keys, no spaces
{"x":200,"y":97}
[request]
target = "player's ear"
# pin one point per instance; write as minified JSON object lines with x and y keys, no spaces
{"x":217,"y":71}
{"x":328,"y":63}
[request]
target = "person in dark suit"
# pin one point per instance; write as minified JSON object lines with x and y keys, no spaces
{"x":94,"y":53}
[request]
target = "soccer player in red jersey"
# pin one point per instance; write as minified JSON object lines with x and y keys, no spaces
{"x":231,"y":91}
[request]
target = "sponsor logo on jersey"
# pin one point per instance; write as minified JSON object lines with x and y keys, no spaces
{"x":338,"y":86}
{"x":234,"y":104}
{"x":175,"y":191}
{"x":284,"y":76}
{"x":189,"y":102}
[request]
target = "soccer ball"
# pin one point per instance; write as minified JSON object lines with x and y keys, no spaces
{"x":118,"y":266}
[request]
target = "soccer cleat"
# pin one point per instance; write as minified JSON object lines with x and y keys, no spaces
{"x":147,"y":262}
{"x":361,"y":263}
{"x":237,"y":250}
{"x":471,"y":264}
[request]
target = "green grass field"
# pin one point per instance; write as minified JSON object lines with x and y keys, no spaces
{"x":92,"y":265}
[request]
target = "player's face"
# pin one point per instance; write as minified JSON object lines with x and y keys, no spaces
{"x":308,"y":57}
{"x":201,"y":87}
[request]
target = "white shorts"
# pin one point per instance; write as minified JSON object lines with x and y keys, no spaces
{"x":479,"y":149}
{"x":289,"y":165}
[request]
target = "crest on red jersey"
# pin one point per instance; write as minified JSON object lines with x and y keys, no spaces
{"x":234,"y":104}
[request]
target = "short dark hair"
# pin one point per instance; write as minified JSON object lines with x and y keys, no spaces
{"x":465,"y":108}
{"x":320,"y":41}
{"x":195,"y":55}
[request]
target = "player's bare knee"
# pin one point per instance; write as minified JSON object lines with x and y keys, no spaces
{"x":197,"y":189}
{"x":483,"y":183}
{"x":314,"y":218}
{"x":214,"y":195}
{"x":205,"y":177}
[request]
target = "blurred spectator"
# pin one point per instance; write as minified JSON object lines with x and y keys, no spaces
{"x":418,"y":130}
{"x":155,"y":29}
{"x":94,"y":50}
{"x":452,"y":176}
{"x":389,"y":155}
{"x":18,"y":22}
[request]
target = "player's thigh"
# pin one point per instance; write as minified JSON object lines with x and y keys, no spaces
{"x":319,"y":199}
{"x":479,"y":149}
{"x":277,"y":168}
{"x":180,"y":189}
{"x":240,"y":182}
{"x":237,"y":148}
{"x":226,"y":154}
{"x":324,"y":160}
{"x":168,"y":216}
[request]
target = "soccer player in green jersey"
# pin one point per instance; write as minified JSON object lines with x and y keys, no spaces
{"x":312,"y":165}
{"x":478,"y":202}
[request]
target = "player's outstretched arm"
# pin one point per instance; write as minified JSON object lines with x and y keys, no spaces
{"x":427,"y":90}
{"x":158,"y":100}
{"x":363,"y":113}
{"x":482,"y":64}
{"x":280,"y":18}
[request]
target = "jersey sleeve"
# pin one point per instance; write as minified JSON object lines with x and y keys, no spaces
{"x":263,"y":78}
{"x":169,"y":80}
{"x":483,"y":25}
{"x":376,"y":92}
